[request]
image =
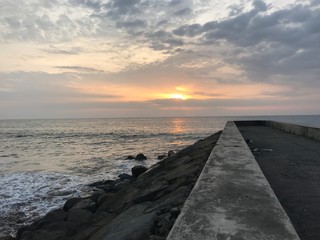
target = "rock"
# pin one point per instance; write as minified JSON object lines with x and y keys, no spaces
{"x":94,"y":184}
{"x":160,"y":157}
{"x":79,"y":216}
{"x":113,"y":203}
{"x":164,"y":223}
{"x":155,"y":237}
{"x":125,"y":176}
{"x":57,"y":215}
{"x":175,"y":211}
{"x":171,"y":153}
{"x":138,"y":170}
{"x":140,"y":157}
{"x":151,"y":194}
{"x":85,"y":204}
{"x":106,"y":187}
{"x":70,"y":203}
{"x":7,"y":238}
{"x":130,"y":157}
{"x":95,"y":196}
{"x":121,"y":185}
{"x":131,"y":224}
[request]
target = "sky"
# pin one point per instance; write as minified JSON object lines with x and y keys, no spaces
{"x":147,"y":58}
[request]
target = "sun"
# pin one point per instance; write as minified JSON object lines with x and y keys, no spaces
{"x":178,"y":96}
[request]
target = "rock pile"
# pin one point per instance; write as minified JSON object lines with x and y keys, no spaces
{"x":140,"y":206}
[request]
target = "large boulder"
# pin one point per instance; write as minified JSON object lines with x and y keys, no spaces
{"x":125,"y":176}
{"x":70,"y":203}
{"x":138,"y":170}
{"x":135,"y":224}
{"x":141,"y":157}
{"x":160,"y":157}
{"x":79,"y":216}
{"x":85,"y":204}
{"x":171,"y":153}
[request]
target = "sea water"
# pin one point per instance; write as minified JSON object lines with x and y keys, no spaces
{"x":45,"y":162}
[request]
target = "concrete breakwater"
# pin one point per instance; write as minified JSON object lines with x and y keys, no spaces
{"x":131,"y":207}
{"x":289,"y":157}
{"x":232,"y":199}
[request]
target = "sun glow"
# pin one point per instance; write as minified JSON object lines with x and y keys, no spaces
{"x":178,"y":96}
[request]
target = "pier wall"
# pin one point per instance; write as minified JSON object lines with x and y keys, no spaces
{"x":232,"y":198}
{"x":309,"y":132}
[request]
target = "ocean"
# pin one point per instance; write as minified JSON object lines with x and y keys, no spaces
{"x":45,"y":162}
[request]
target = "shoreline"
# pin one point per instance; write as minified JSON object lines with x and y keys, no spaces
{"x":152,"y":200}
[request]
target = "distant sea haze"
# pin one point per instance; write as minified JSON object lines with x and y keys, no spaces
{"x":45,"y":162}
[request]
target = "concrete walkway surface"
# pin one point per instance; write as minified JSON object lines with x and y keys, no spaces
{"x":291,"y":164}
{"x":232,"y":198}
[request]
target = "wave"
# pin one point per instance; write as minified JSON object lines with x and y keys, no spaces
{"x":55,"y":135}
{"x":26,"y":196}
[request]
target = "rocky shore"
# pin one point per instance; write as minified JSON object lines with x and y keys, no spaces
{"x":140,"y":206}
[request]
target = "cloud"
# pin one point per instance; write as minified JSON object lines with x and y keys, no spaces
{"x":64,"y":51}
{"x":285,"y":41}
{"x":79,"y":68}
{"x":147,"y":44}
{"x":183,"y":12}
{"x":188,"y":30}
{"x":137,"y":23}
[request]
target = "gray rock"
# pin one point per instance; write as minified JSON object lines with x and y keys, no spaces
{"x":70,"y":203}
{"x":164,"y":223}
{"x":140,"y":157}
{"x":85,"y":204}
{"x":155,"y":237}
{"x":7,"y":238}
{"x":57,"y":215}
{"x":131,"y":224}
{"x":106,"y":188}
{"x":171,"y":153}
{"x":160,"y":157}
{"x":121,"y":185}
{"x":125,"y":176}
{"x":151,"y":194}
{"x":175,"y":211}
{"x":130,"y":157}
{"x":79,"y":216}
{"x":138,"y":170}
{"x":96,"y":194}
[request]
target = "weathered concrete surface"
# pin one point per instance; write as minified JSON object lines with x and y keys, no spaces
{"x":291,"y":163}
{"x":309,"y":132}
{"x":232,"y":199}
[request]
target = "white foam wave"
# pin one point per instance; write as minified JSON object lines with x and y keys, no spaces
{"x":29,"y":195}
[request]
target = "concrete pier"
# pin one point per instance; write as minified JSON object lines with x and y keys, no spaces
{"x":289,"y":157}
{"x":232,"y":198}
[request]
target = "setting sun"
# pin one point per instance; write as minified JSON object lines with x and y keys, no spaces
{"x":178,"y":96}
